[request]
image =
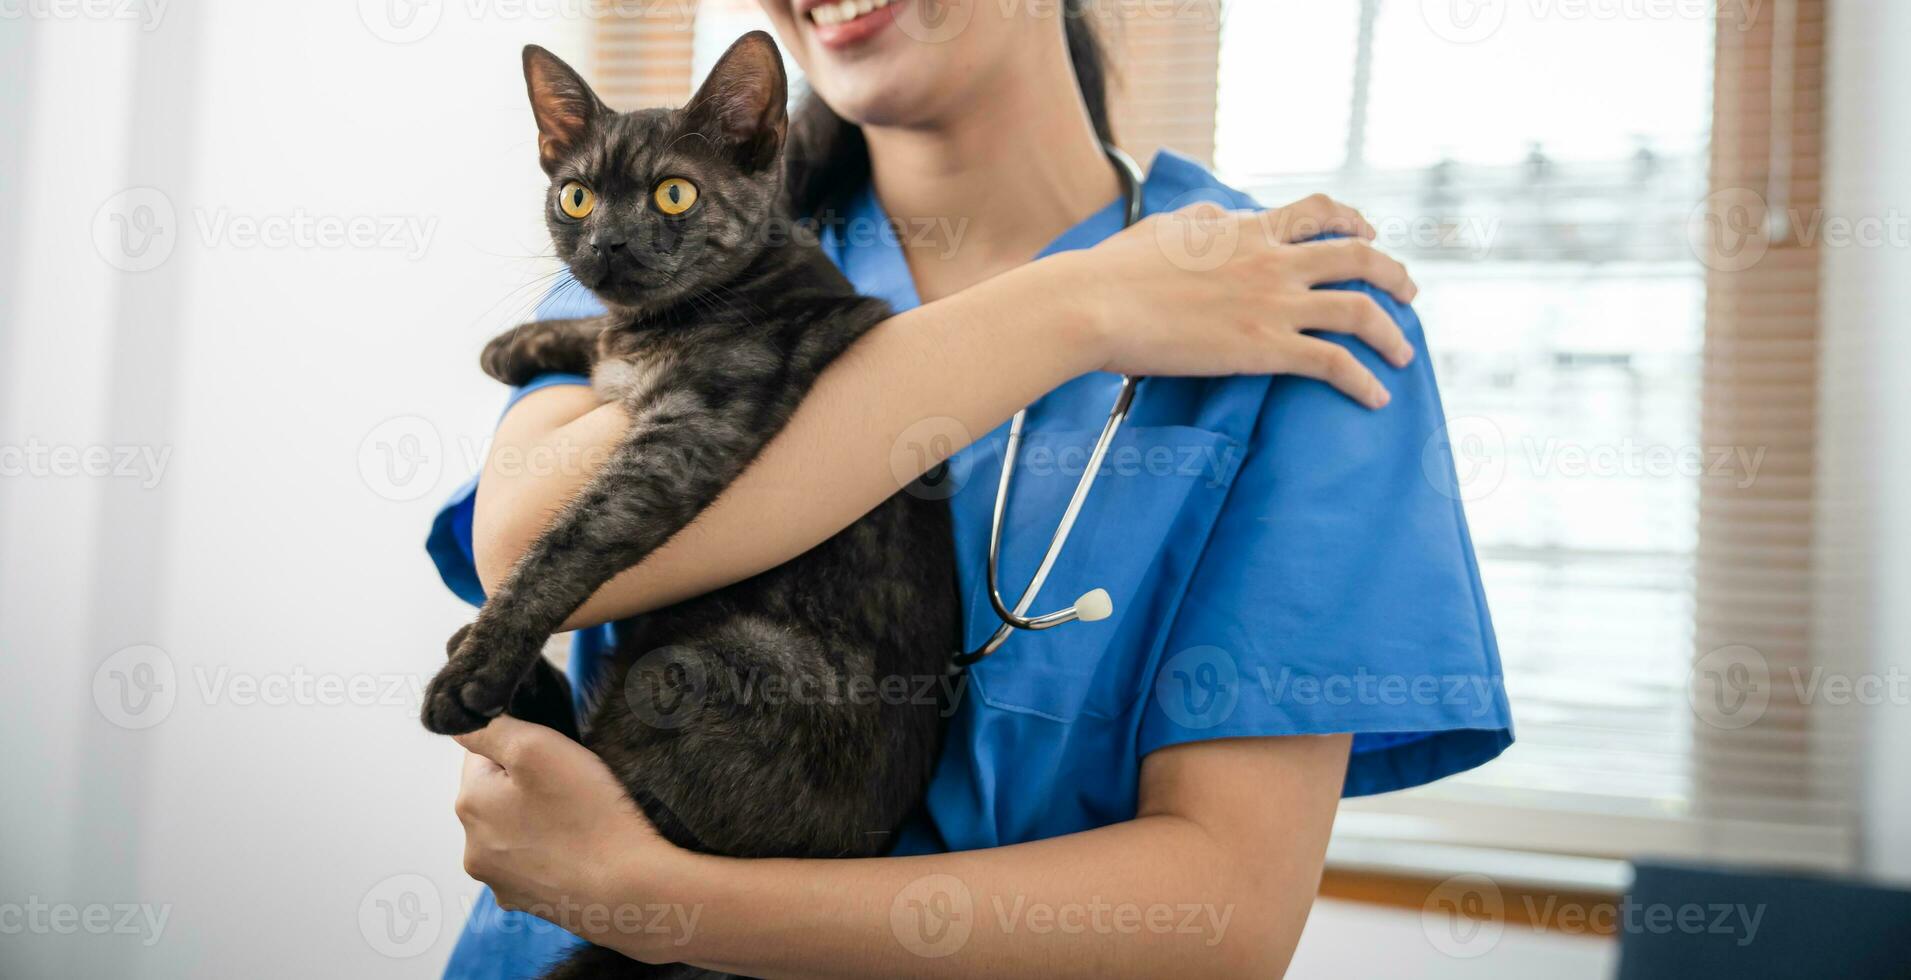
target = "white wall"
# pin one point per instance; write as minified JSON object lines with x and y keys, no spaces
{"x":267,"y":375}
{"x":1865,"y":407}
{"x":1351,"y":941}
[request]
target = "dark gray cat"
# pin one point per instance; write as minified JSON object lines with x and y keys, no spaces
{"x":797,"y":713}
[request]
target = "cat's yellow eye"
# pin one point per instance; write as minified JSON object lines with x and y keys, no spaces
{"x":576,"y":200}
{"x":675,"y":195}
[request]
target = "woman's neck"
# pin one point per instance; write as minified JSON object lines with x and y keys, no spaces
{"x":985,"y":191}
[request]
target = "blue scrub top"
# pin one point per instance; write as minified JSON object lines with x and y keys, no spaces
{"x":1282,"y":562}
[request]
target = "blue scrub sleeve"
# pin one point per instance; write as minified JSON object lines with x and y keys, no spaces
{"x":449,"y":541}
{"x":1339,"y":592}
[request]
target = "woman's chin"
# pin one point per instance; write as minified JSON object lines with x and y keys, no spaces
{"x":879,"y":95}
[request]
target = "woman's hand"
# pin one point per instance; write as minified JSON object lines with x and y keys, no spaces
{"x":1205,"y":291}
{"x":552,"y":832}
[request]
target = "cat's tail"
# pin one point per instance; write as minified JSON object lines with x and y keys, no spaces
{"x":598,"y":963}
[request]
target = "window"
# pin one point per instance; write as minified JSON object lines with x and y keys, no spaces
{"x":1541,"y":177}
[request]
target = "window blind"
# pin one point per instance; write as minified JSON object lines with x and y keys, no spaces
{"x":1775,"y":746}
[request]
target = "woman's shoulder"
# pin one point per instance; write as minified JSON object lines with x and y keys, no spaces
{"x":1176,"y":180}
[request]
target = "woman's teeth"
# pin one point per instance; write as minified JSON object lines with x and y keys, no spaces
{"x":846,"y":11}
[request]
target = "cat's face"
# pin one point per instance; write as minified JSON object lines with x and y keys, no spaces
{"x":654,"y":207}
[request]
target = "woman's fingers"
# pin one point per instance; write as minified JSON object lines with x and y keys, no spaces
{"x":1316,"y":358}
{"x":1304,"y":219}
{"x":473,"y":787}
{"x":1345,"y":259}
{"x":1319,"y":215}
{"x":1344,"y":311}
{"x":508,"y":741}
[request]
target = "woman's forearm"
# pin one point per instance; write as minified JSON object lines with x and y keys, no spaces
{"x":914,"y":390}
{"x":1156,"y":896}
{"x":1213,"y":878}
{"x":930,"y":381}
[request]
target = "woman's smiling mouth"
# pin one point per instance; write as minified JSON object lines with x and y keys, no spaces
{"x":841,"y":23}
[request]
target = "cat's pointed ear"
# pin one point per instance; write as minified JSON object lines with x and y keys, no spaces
{"x":564,"y":105}
{"x":742,"y":107}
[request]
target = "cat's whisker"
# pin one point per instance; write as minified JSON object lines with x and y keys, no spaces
{"x":524,"y":298}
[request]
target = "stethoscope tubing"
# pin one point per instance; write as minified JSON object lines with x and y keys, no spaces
{"x":1018,"y":618}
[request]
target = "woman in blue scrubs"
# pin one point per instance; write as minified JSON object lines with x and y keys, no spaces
{"x":1298,"y":613}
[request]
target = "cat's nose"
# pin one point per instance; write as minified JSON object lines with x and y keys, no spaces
{"x":601,"y":245}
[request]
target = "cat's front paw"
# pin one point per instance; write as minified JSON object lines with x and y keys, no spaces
{"x":504,"y":359}
{"x":521,"y":354}
{"x":470,"y":691}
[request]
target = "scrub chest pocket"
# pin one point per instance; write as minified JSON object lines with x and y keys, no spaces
{"x":1141,"y":531}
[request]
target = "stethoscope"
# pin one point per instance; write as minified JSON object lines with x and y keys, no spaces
{"x":1094,"y":604}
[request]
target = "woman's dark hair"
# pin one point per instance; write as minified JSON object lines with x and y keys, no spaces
{"x":828,"y":160}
